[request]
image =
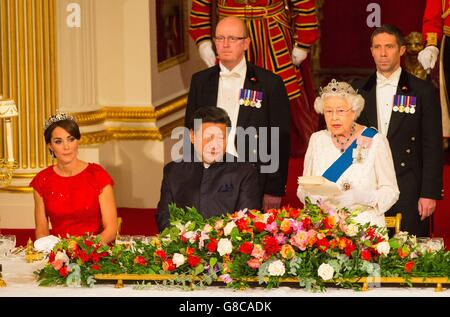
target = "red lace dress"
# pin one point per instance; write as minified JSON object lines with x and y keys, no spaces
{"x":71,"y":203}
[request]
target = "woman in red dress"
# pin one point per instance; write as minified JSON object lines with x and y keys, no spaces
{"x":76,"y":197}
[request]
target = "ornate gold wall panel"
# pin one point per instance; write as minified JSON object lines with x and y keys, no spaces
{"x":28,"y":74}
{"x":131,"y":114}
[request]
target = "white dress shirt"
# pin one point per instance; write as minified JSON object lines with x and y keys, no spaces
{"x":230,"y":85}
{"x":386,"y":89}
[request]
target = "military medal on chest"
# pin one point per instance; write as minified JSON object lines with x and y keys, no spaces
{"x":250,"y":98}
{"x":403,"y":103}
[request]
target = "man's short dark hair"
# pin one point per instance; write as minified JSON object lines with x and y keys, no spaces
{"x":210,"y":115}
{"x":389,"y":29}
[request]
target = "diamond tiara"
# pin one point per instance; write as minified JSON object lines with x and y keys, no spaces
{"x":337,"y":88}
{"x":56,"y":118}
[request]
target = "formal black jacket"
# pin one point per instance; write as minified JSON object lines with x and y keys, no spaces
{"x":274,"y":112}
{"x":222,"y":188}
{"x":415,"y":141}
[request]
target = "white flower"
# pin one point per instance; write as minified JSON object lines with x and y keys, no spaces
{"x":325,"y":271}
{"x":383,"y":247}
{"x":276,"y":268}
{"x":224,"y":247}
{"x":191,"y":236}
{"x":178,"y":259}
{"x":228,"y":228}
{"x":207,"y":228}
{"x":352,"y":230}
{"x":61,"y":256}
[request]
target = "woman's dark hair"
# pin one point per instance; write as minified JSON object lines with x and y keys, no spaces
{"x":69,"y":125}
{"x":210,"y":115}
{"x":389,"y":29}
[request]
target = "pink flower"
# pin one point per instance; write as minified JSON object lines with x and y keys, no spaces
{"x":254,"y":263}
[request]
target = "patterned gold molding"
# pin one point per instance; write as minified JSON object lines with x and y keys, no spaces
{"x":131,"y":114}
{"x":130,"y":134}
{"x":17,"y":189}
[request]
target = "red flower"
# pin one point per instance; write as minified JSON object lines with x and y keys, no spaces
{"x":260,"y":226}
{"x":294,"y":213}
{"x":212,"y":245}
{"x":51,"y":257}
{"x":349,"y":248}
{"x":160,"y":254}
{"x":183,"y":239}
{"x":193,"y":260}
{"x":271,"y":245}
{"x":95,"y":267}
{"x":82,"y":255}
{"x":168,"y":265}
{"x":273,"y":215}
{"x":371,"y":233}
{"x":88,"y":243}
{"x":190,"y":251}
{"x":409,"y":266}
{"x":242,"y":224}
{"x":306,"y":223}
{"x":323,"y":245}
{"x":95,"y":257}
{"x":365,"y":255}
{"x":246,"y":248}
{"x":139,"y":260}
{"x":63,"y":271}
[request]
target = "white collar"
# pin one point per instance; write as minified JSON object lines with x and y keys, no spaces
{"x":240,"y":68}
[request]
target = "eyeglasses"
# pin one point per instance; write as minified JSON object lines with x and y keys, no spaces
{"x":339,"y":112}
{"x":230,"y":39}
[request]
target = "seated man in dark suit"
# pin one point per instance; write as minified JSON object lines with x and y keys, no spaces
{"x":213,"y":182}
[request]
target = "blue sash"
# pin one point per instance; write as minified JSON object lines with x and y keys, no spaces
{"x":346,"y":159}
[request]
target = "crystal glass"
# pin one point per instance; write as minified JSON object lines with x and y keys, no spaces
{"x":7,"y":243}
{"x":427,"y":244}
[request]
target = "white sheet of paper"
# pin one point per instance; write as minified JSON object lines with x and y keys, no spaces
{"x":319,"y":186}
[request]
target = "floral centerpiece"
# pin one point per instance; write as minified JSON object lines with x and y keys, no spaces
{"x":315,"y":245}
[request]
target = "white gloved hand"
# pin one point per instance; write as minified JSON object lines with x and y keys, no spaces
{"x":355,"y":196}
{"x":298,"y":55}
{"x":428,"y":57}
{"x":46,"y":244}
{"x":207,"y":53}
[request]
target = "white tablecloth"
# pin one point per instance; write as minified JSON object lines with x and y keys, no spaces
{"x":21,"y":283}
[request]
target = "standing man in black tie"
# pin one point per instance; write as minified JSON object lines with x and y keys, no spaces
{"x":406,"y":110}
{"x":253,"y":98}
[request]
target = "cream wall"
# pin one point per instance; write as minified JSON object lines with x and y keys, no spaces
{"x":110,"y":61}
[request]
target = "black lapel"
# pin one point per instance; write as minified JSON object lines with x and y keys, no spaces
{"x":212,"y":87}
{"x":251,"y":82}
{"x":396,"y":116}
{"x":370,"y":107}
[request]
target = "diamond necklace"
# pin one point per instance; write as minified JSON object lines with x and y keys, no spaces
{"x":342,"y":144}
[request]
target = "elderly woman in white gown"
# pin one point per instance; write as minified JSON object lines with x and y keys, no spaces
{"x":354,"y":157}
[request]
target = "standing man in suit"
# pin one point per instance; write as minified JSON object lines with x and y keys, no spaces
{"x":255,"y":99}
{"x":406,"y":110}
{"x":213,"y":184}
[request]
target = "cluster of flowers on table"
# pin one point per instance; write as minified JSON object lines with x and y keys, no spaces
{"x":315,"y":244}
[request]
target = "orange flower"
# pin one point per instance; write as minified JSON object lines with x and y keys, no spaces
{"x":287,"y":251}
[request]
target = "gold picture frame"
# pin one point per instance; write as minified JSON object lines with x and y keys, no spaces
{"x":171,"y":33}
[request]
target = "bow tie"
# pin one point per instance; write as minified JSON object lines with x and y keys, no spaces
{"x":225,"y":74}
{"x":386,"y":82}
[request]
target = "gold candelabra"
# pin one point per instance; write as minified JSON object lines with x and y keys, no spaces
{"x":8,"y":110}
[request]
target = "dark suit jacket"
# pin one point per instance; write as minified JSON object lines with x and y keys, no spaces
{"x":415,"y":141}
{"x":222,"y":188}
{"x":274,"y":112}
